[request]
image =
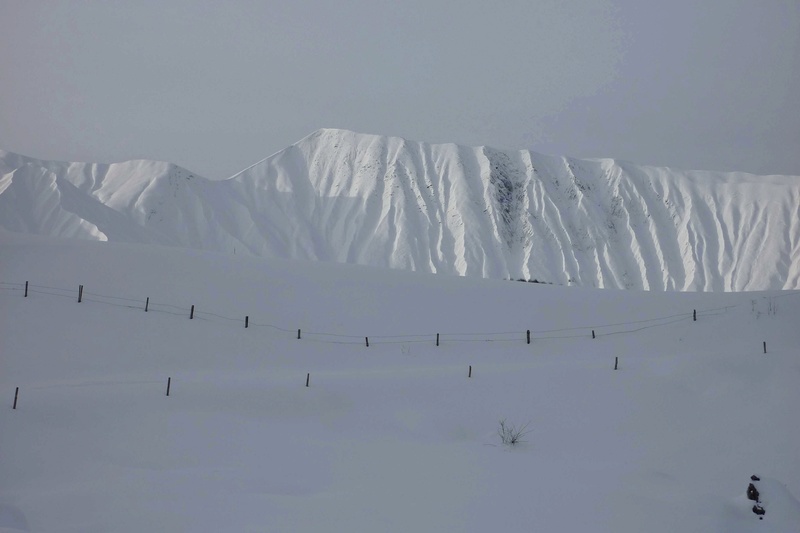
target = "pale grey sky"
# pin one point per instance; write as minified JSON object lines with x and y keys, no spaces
{"x":216,"y":86}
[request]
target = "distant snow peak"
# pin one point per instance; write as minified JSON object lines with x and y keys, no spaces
{"x":346,"y":197}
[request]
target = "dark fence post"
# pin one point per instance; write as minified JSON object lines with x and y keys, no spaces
{"x":246,"y":321}
{"x":80,"y":293}
{"x":366,"y":339}
{"x":694,"y":315}
{"x":298,"y":333}
{"x":616,"y":362}
{"x":308,"y":378}
{"x":529,"y":336}
{"x":437,"y":339}
{"x":470,"y":372}
{"x":593,"y":334}
{"x":765,"y":346}
{"x":169,"y":382}
{"x":26,"y":289}
{"x":16,"y":395}
{"x":146,"y":304}
{"x":191,"y":313}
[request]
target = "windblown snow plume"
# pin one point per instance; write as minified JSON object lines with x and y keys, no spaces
{"x":351,"y":198}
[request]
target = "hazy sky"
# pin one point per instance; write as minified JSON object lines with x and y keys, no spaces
{"x":218,"y":85}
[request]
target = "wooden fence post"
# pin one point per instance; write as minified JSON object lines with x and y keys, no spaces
{"x":529,"y":336}
{"x":593,"y":334}
{"x":616,"y":362}
{"x":694,"y":315}
{"x":80,"y":293}
{"x":169,"y":382}
{"x":470,"y":372}
{"x":298,"y":333}
{"x":246,"y":321}
{"x":765,"y":346}
{"x":437,"y":339}
{"x":26,"y":289}
{"x":366,"y":339}
{"x":308,"y":378}
{"x":146,"y":304}
{"x":191,"y":313}
{"x":16,"y":395}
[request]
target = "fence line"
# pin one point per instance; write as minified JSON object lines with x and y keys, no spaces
{"x":339,"y":338}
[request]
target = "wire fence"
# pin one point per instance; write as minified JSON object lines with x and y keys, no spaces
{"x":572,"y":332}
{"x":531,"y":335}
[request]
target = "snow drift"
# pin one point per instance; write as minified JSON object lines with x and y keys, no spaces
{"x":345,"y":197}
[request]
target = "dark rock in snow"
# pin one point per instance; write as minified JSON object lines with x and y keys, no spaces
{"x":752,"y":492}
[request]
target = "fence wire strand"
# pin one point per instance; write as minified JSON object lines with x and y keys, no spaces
{"x":347,"y":339}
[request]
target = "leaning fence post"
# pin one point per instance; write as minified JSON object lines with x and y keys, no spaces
{"x":366,"y":339}
{"x":169,"y":382}
{"x":146,"y":304}
{"x":308,"y":378}
{"x":80,"y":293}
{"x":765,"y":346}
{"x":26,"y":289}
{"x":16,"y":395}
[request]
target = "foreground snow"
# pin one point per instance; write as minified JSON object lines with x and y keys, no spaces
{"x":393,"y":437}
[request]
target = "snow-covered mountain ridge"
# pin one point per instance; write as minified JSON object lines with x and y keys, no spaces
{"x":382,"y":201}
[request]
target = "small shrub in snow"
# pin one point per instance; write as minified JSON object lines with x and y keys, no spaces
{"x":511,"y":435}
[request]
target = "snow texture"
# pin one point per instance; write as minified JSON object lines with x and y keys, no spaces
{"x":344,"y":197}
{"x":390,"y":437}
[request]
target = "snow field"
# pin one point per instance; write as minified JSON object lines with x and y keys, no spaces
{"x":393,"y":437}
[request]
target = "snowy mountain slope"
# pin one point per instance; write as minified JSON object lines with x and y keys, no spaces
{"x":390,"y":437}
{"x":346,"y":197}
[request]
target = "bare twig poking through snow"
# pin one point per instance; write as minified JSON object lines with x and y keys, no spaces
{"x":511,"y":435}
